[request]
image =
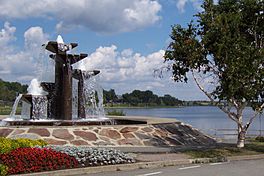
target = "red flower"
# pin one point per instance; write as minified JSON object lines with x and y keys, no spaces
{"x":26,"y":160}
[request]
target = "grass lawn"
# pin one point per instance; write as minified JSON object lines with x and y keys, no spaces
{"x":252,"y":148}
{"x":5,"y":110}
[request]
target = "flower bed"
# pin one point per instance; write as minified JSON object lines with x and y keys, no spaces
{"x":26,"y":160}
{"x":25,"y":156}
{"x":3,"y":170}
{"x":88,"y":156}
{"x":7,"y":145}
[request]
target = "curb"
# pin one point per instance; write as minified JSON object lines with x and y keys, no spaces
{"x":246,"y":157}
{"x":134,"y":166}
{"x":121,"y":167}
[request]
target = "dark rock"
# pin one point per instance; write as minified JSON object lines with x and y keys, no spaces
{"x":105,"y":138}
{"x":161,"y":133}
{"x":18,"y":131}
{"x":142,"y":136}
{"x":170,"y":127}
{"x":5,"y":132}
{"x":55,"y":142}
{"x":173,"y":141}
{"x":128,"y":135}
{"x":62,"y":134}
{"x":79,"y":142}
{"x":89,"y":136}
{"x":112,"y":134}
{"x":156,"y":142}
{"x":147,"y":129}
{"x":128,"y":129}
{"x":39,"y":131}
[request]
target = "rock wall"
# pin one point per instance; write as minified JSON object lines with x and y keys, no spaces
{"x":164,"y":134}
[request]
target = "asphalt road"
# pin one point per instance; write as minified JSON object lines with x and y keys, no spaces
{"x":234,"y":168}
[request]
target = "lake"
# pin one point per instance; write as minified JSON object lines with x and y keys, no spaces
{"x":205,"y":118}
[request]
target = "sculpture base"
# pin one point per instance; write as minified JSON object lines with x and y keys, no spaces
{"x":123,"y":134}
{"x":82,"y":122}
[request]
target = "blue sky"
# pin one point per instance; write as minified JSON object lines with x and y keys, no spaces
{"x":125,"y":39}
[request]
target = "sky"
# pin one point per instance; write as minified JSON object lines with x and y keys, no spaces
{"x":124,"y":39}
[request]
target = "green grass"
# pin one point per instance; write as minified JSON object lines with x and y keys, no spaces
{"x":127,"y":106}
{"x":5,"y":110}
{"x":116,"y":113}
{"x":252,"y":148}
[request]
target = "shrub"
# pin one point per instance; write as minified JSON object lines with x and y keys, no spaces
{"x":7,"y":145}
{"x":26,"y":160}
{"x":260,"y":138}
{"x":3,"y":170}
{"x":116,"y":113}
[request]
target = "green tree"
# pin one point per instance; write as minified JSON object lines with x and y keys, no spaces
{"x":223,"y":52}
{"x":110,"y":96}
{"x":138,"y":97}
{"x":168,"y":100}
{"x":9,"y":90}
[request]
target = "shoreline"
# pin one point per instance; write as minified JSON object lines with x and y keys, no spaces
{"x":141,"y":107}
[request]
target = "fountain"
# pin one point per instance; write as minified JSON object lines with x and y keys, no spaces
{"x":69,"y":111}
{"x":49,"y":103}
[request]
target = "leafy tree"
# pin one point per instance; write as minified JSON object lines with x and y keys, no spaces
{"x":147,"y":98}
{"x":8,"y":90}
{"x":223,"y":52}
{"x":110,"y":96}
{"x":168,"y":100}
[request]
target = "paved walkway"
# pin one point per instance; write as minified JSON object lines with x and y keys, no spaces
{"x":233,"y":168}
{"x":161,"y":157}
{"x":3,"y":116}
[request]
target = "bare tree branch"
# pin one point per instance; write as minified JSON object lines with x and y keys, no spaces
{"x":254,"y":116}
{"x":230,"y":114}
{"x":232,"y":100}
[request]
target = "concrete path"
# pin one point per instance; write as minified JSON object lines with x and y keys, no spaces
{"x":233,"y":168}
{"x":3,"y":116}
{"x":161,"y":157}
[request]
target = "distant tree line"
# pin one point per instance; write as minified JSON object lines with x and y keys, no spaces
{"x":140,"y":98}
{"x":9,"y":90}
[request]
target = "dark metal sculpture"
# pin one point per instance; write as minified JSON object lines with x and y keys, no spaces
{"x":81,"y":76}
{"x":60,"y":93}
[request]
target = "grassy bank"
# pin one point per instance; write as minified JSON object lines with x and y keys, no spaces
{"x":5,"y":110}
{"x":125,"y":106}
{"x":252,"y":148}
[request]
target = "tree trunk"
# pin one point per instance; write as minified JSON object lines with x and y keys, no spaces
{"x":241,"y":137}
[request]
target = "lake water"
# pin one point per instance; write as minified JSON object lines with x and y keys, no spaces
{"x":205,"y":118}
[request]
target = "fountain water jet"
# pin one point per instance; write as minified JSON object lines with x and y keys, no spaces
{"x":14,"y":108}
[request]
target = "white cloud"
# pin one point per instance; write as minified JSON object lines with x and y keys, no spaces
{"x":20,"y":65}
{"x":181,"y":4}
{"x":126,"y":71}
{"x":7,"y":35}
{"x":102,"y":16}
{"x":123,"y":66}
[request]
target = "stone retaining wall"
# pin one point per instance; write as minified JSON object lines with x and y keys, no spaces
{"x":164,"y":134}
